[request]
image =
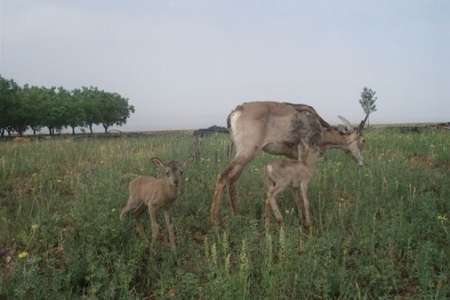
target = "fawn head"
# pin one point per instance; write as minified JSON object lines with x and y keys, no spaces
{"x":172,"y":170}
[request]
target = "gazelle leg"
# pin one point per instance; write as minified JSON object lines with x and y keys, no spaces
{"x":233,"y":176}
{"x":217,"y":199}
{"x":169,"y":226}
{"x":228,"y":177}
{"x":307,"y":214}
{"x":232,"y":193}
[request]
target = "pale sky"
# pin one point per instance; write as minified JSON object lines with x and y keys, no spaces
{"x":187,"y":64}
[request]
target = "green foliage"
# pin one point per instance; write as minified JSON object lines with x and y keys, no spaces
{"x":367,"y":100}
{"x":56,"y":108}
{"x":381,"y":231}
{"x":8,"y":100}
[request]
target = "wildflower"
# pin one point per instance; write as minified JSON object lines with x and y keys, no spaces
{"x":58,"y":180}
{"x":23,"y":254}
{"x":282,"y":253}
{"x":186,"y":179}
{"x":214,"y":255}
{"x":442,"y":219}
{"x":113,"y":210}
{"x":243,"y":261}
{"x":34,"y":227}
{"x":227,"y":263}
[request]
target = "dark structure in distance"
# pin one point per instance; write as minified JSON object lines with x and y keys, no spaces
{"x":210,"y":130}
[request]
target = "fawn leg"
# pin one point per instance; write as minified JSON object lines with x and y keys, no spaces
{"x":153,"y":221}
{"x":273,"y":192}
{"x":307,"y":214}
{"x":169,"y":226}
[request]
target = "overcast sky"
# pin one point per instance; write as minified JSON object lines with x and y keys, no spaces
{"x":187,"y":64}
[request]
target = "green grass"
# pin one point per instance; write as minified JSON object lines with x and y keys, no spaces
{"x":380,"y":231}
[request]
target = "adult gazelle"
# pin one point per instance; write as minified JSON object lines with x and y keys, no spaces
{"x":279,"y":128}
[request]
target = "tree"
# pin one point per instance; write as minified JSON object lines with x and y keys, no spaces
{"x":8,"y":95}
{"x":367,"y":102}
{"x":75,"y":116}
{"x":33,"y":99}
{"x":114,"y":109}
{"x":57,"y":108}
{"x":50,"y":104}
{"x":89,"y":98}
{"x":20,"y":114}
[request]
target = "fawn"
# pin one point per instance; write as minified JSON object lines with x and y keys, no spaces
{"x":156,"y":193}
{"x":296,"y":173}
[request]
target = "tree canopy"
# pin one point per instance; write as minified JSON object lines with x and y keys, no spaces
{"x":367,"y":101}
{"x":33,"y":107}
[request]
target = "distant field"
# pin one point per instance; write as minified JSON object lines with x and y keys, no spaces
{"x":117,"y":132}
{"x":380,"y":231}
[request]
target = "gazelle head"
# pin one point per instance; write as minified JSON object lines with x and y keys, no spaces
{"x":354,"y":140}
{"x":172,"y":170}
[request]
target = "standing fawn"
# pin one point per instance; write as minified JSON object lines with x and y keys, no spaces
{"x":283,"y":173}
{"x":156,"y":193}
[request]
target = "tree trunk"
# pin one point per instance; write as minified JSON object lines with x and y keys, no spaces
{"x":73,"y":130}
{"x":106,"y":128}
{"x":34,"y":131}
{"x":9,"y":132}
{"x":2,"y":132}
{"x":90,"y":129}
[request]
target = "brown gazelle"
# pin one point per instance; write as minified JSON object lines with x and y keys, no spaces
{"x":283,"y":173}
{"x":277,"y":128}
{"x":155,"y":194}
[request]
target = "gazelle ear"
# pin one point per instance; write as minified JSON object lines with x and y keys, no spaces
{"x":346,"y":123}
{"x":157,"y":162}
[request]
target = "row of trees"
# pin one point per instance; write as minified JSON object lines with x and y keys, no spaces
{"x":32,"y":107}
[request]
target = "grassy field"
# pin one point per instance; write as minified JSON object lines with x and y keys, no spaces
{"x":380,"y":231}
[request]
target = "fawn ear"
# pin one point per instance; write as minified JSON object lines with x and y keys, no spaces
{"x":186,"y":163}
{"x":157,"y":162}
